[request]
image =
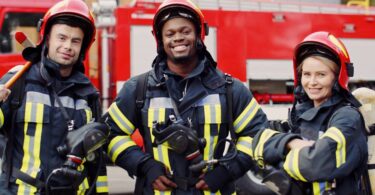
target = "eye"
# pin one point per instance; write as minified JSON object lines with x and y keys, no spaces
{"x":321,"y":74}
{"x":306,"y":74}
{"x":61,"y":38}
{"x":76,"y":41}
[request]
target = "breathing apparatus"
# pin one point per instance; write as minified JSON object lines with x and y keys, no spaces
{"x":82,"y":143}
{"x":182,"y":140}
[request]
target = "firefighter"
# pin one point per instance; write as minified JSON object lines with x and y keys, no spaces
{"x":184,"y":118}
{"x":325,"y":151}
{"x":57,"y":98}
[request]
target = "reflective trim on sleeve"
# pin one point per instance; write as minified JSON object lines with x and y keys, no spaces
{"x":246,"y":116}
{"x":291,"y":165}
{"x":120,"y":119}
{"x":102,"y":184}
{"x":339,"y":138}
{"x":244,"y":145}
{"x":258,"y":151}
{"x":31,"y":145}
{"x":212,"y":116}
{"x":1,"y":118}
{"x":83,"y":187}
{"x":88,"y":115}
{"x":119,"y":144}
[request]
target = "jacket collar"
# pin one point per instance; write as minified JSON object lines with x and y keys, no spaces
{"x":308,"y":111}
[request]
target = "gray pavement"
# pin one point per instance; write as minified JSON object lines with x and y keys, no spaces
{"x":119,"y":181}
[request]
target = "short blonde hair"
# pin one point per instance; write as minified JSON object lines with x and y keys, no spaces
{"x":326,"y":61}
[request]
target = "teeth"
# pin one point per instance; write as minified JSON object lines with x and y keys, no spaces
{"x":179,"y":48}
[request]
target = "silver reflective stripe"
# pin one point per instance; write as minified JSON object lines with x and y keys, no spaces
{"x":66,"y":101}
{"x":212,"y":99}
{"x":81,"y":104}
{"x":117,"y":145}
{"x":161,"y":102}
{"x":37,"y":97}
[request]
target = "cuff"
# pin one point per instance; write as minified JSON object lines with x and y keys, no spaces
{"x":217,"y":178}
{"x":152,"y":169}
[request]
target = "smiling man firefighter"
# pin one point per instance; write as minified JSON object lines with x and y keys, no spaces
{"x":56,"y":99}
{"x":189,"y":108}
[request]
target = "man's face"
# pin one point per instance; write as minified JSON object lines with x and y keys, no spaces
{"x":179,"y":39}
{"x":64,"y":44}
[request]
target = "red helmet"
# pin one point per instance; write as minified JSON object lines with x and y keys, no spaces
{"x":76,"y":9}
{"x":327,"y":45}
{"x":181,"y":8}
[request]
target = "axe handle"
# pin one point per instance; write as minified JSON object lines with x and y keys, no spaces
{"x":16,"y":76}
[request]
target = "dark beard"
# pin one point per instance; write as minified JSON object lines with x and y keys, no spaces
{"x":181,"y":59}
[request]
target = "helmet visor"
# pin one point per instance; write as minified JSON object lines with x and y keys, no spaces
{"x":316,"y":51}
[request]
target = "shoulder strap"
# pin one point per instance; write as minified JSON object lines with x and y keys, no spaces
{"x":16,"y":98}
{"x":141,"y":89}
{"x":229,"y":94}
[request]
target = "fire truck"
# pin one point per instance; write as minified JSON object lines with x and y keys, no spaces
{"x":252,"y":40}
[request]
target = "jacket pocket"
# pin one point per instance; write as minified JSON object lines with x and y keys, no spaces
{"x":32,"y":116}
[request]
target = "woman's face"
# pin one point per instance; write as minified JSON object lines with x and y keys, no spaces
{"x":317,"y":80}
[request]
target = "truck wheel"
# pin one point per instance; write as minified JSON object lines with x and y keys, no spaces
{"x":251,"y":184}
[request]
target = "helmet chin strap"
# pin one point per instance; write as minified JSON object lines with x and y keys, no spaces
{"x":43,"y":71}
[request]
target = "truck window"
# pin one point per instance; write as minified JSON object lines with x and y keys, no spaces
{"x":18,"y":21}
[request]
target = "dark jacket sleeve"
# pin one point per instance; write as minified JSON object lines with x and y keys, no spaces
{"x":337,"y":153}
{"x":248,"y":120}
{"x":122,"y":150}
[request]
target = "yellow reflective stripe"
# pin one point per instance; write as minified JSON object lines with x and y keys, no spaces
{"x":31,"y":146}
{"x":88,"y":115}
{"x":246,"y":116}
{"x":120,"y":119}
{"x":207,"y":192}
{"x":212,"y":115}
{"x":244,"y":145}
{"x":1,"y":118}
{"x":258,"y":152}
{"x":102,"y":184}
{"x":316,"y":188}
{"x":161,"y":151}
{"x":119,"y":144}
{"x":83,"y":187}
{"x":291,"y":165}
{"x":339,"y":138}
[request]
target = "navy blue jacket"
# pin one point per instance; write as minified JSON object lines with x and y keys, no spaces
{"x":201,"y":99}
{"x":40,"y":126}
{"x":339,"y":152}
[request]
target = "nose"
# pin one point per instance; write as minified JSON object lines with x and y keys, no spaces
{"x":178,"y":37}
{"x":67,"y":45}
{"x":313,"y":80}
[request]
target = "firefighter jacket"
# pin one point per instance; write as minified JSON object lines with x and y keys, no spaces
{"x":39,"y":127}
{"x":201,"y":102}
{"x":334,"y":162}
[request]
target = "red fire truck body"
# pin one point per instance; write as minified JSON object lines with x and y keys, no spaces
{"x":250,"y":41}
{"x":249,"y":44}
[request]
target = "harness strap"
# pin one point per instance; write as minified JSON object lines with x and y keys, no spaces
{"x":27,"y":178}
{"x":229,"y":82}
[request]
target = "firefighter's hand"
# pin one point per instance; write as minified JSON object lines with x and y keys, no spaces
{"x":4,"y":93}
{"x":299,"y":143}
{"x":162,"y":183}
{"x":201,"y":184}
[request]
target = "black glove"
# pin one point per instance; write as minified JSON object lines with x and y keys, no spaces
{"x":279,"y":125}
{"x":152,"y":169}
